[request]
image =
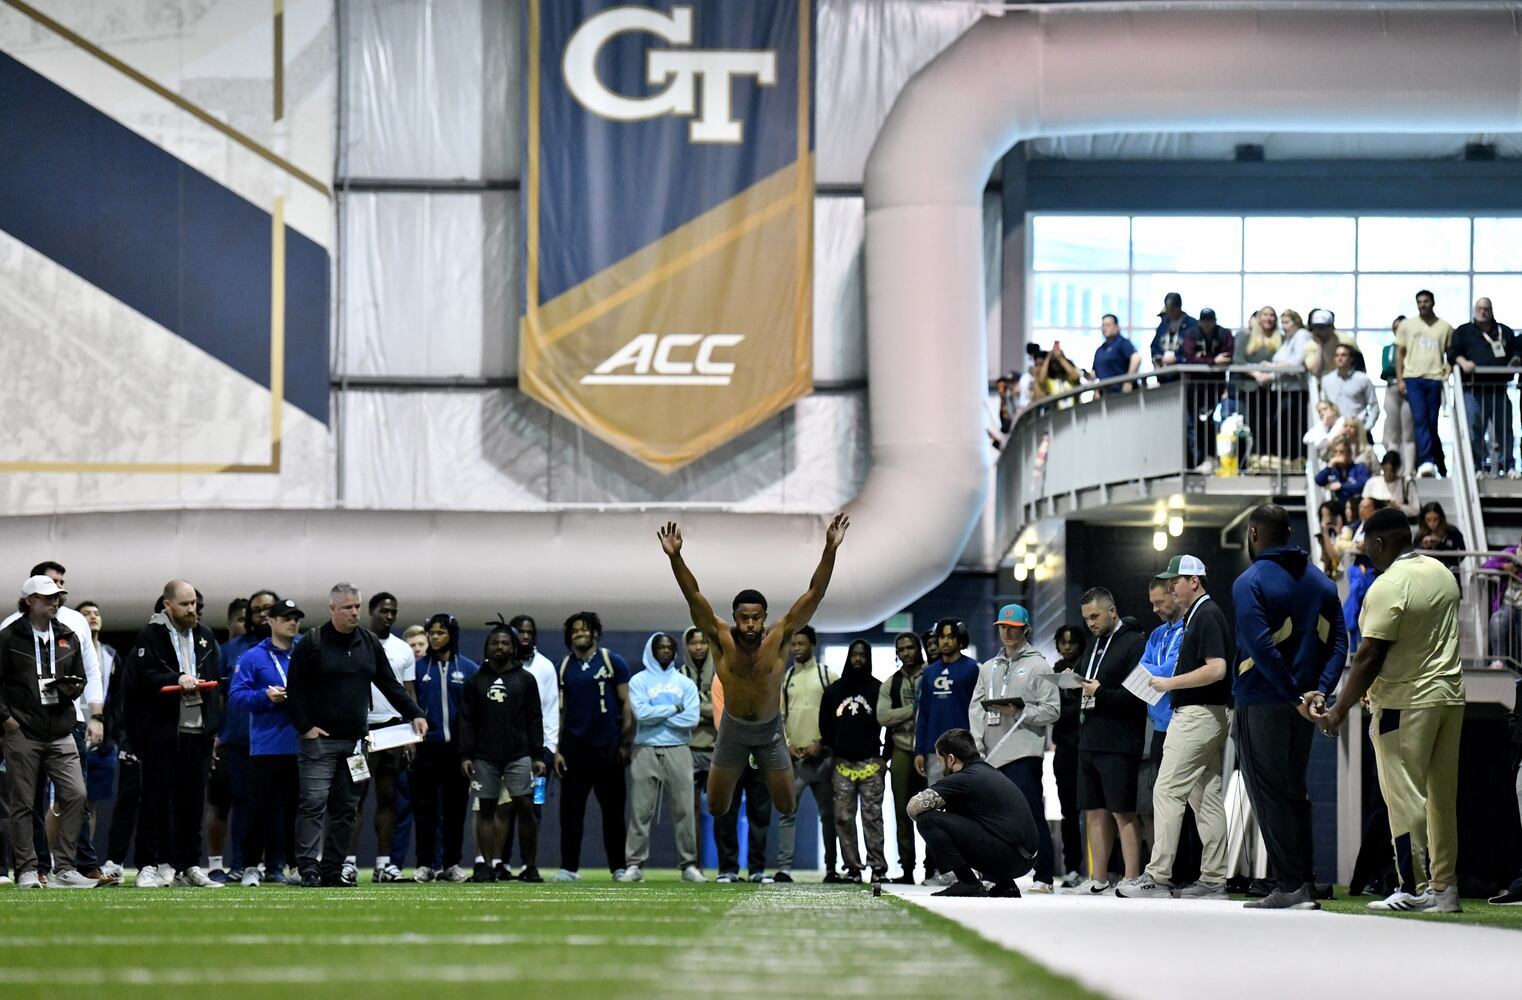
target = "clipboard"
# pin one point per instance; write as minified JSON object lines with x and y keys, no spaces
{"x":390,"y":737}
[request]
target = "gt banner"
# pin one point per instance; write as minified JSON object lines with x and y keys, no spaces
{"x":668,"y":209}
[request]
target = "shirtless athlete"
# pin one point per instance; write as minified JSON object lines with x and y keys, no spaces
{"x":750,"y":659}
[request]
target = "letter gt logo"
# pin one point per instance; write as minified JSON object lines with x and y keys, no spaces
{"x":654,"y":361}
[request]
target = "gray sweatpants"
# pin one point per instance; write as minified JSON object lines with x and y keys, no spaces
{"x":812,"y":773}
{"x":26,"y":761}
{"x":655,"y":771}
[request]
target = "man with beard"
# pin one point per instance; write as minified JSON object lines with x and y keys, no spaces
{"x":849,"y":728}
{"x":749,"y":658}
{"x":665,"y":706}
{"x":697,"y":666}
{"x":896,"y":703}
{"x":597,"y":732}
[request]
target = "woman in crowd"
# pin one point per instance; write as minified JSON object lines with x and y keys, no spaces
{"x":1293,"y":396}
{"x":1435,"y":536}
{"x":1323,"y":429}
{"x":1342,"y":476}
{"x":1505,"y":609}
{"x":1257,"y":346}
{"x":1393,"y":487}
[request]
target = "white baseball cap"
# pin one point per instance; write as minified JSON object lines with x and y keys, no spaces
{"x":1182,"y":566}
{"x":1322,"y":317}
{"x":41,"y":586}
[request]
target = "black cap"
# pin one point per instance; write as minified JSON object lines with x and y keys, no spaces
{"x":1172,"y":299}
{"x":1207,"y":313}
{"x":286,"y":609}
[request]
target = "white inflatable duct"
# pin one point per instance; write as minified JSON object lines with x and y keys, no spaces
{"x":1006,"y":79}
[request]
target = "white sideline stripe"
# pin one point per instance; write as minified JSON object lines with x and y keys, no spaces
{"x":1138,"y":949}
{"x":498,"y":972}
{"x":334,"y":940}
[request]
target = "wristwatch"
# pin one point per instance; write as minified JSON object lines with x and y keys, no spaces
{"x":97,"y":718}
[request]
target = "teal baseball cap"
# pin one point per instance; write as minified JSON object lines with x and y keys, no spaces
{"x":1013,"y":614}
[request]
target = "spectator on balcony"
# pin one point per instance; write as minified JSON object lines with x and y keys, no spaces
{"x":1053,"y":374}
{"x":1207,"y":343}
{"x":1257,"y":346}
{"x":1320,"y":352}
{"x":1343,"y":477}
{"x":1350,"y":391}
{"x":1115,"y":357}
{"x":1435,"y":536}
{"x":1485,"y":343}
{"x":1173,"y":326}
{"x":1505,"y":609}
{"x":1351,"y":431}
{"x":1297,"y":338}
{"x":1393,"y":487}
{"x":1421,"y":367}
{"x":1327,"y":426}
{"x":1399,"y":433}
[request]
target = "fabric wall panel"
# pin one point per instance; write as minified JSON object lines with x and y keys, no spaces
{"x":431,"y":284}
{"x":840,"y":321}
{"x":432,"y":89}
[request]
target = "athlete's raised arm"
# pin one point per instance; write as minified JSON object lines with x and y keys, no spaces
{"x":803,"y":609}
{"x":703,"y":617}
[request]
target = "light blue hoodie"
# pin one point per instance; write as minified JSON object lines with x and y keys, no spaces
{"x":664,"y":702}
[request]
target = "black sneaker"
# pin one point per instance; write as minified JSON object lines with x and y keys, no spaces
{"x":852,"y":875}
{"x":1508,"y":897}
{"x":879,"y":876}
{"x":782,"y":877}
{"x":335,"y":881}
{"x":972,"y":889}
{"x":833,"y":878}
{"x":483,"y":873}
{"x":311,"y":880}
{"x":1006,"y":890}
{"x":1260,"y":888}
{"x":907,"y":878}
{"x":503,"y":873}
{"x":530,"y":874}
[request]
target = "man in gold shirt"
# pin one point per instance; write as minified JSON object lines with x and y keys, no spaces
{"x":802,"y":690}
{"x":1421,"y":366}
{"x":1408,"y":664}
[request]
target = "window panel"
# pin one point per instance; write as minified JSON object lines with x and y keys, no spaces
{"x":1382,"y":297}
{"x":1413,"y":244}
{"x":1497,"y":245}
{"x":1079,"y":300}
{"x":1505,"y":294}
{"x":1221,"y":292}
{"x":1302,"y":293}
{"x":1186,"y":243}
{"x":1372,"y":344}
{"x":1276,"y":243}
{"x":1081,"y":243}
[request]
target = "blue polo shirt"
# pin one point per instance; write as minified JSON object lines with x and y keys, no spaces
{"x":589,"y":697}
{"x":1113,"y":357}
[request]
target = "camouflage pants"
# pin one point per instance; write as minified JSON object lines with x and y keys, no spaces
{"x":863,"y":779}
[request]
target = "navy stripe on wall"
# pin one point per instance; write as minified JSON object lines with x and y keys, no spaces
{"x":156,"y":234}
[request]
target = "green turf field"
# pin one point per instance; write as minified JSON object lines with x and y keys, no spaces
{"x":1476,"y":911}
{"x":591,"y":939}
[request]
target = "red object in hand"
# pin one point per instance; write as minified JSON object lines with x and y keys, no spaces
{"x":171,"y":688}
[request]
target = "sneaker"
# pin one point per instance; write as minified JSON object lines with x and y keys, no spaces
{"x":940,"y":878}
{"x":235,"y":875}
{"x":278,"y":877}
{"x":1070,"y":880}
{"x":1259,"y":888}
{"x":618,"y":874}
{"x":1510,"y":897}
{"x":112,"y":870}
{"x":853,"y":876}
{"x":530,"y":874}
{"x":349,"y":872}
{"x":567,"y":876}
{"x":390,"y":873}
{"x":218,"y":876}
{"x":1143,"y":887}
{"x":483,"y":872}
{"x":630,"y":874}
{"x":503,"y":872}
{"x":251,"y":878}
{"x":692,"y":873}
{"x":28,"y":880}
{"x":727,"y":878}
{"x":963,"y":889}
{"x":1401,"y":901}
{"x":833,"y":878}
{"x":1094,"y":887}
{"x":101,"y":879}
{"x":1446,"y":900}
{"x":311,"y":880}
{"x":1278,"y":899}
{"x":454,"y":873}
{"x":147,"y":878}
{"x":761,"y":878}
{"x":1009,"y":890}
{"x":195,"y":877}
{"x":879,"y":876}
{"x":342,"y":880}
{"x":1203,"y":890}
{"x":423,"y":874}
{"x":6,"y":879}
{"x":782,"y":875}
{"x":1426,"y":470}
{"x":1040,"y":889}
{"x":907,"y":878}
{"x":166,"y":874}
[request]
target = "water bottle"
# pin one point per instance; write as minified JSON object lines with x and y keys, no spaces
{"x":539,"y":790}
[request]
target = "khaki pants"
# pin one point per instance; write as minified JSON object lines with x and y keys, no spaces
{"x":26,"y":761}
{"x":652,"y":771}
{"x":1417,"y":753}
{"x":1190,"y":774}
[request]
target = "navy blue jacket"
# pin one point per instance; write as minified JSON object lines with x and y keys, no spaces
{"x":1189,"y":325}
{"x":235,"y":732}
{"x":945,"y":695}
{"x":1290,"y":635}
{"x":270,"y":731}
{"x":434,"y":678}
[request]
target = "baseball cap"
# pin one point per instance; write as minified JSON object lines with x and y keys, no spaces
{"x":41,"y":586}
{"x":1013,"y":614}
{"x":286,"y":609}
{"x":1182,"y":566}
{"x":1322,"y":317}
{"x":1207,"y":313}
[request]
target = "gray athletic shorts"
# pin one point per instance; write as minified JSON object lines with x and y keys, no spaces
{"x":739,"y":740}
{"x":502,"y":783}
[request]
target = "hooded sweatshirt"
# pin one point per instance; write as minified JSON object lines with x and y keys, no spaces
{"x":1116,"y":720}
{"x":500,"y":719}
{"x":848,"y":722}
{"x":270,"y":732}
{"x":1018,"y":732}
{"x":1290,"y":633}
{"x":664,"y":702}
{"x":441,"y":686}
{"x":944,"y":696}
{"x":802,"y":690}
{"x":701,"y":674}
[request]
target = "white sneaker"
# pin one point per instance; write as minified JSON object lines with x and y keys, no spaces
{"x":195,"y":877}
{"x":111,"y":870}
{"x":349,"y":872}
{"x":631,"y":874}
{"x":1094,"y":887}
{"x":565,"y":876}
{"x":28,"y":880}
{"x":423,"y":874}
{"x":692,"y":873}
{"x":454,"y":873}
{"x":1400,"y":901}
{"x":1204,"y":890}
{"x":1144,"y":887}
{"x":70,"y":879}
{"x":6,"y":879}
{"x":149,"y":878}
{"x":251,"y":878}
{"x":390,"y":873}
{"x":727,"y":878}
{"x":1040,"y":889}
{"x":1446,"y":900}
{"x":166,"y":874}
{"x":941,"y":879}
{"x":1070,"y":880}
{"x":1427,"y":470}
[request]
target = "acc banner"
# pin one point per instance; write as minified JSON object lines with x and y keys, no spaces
{"x":668,"y":210}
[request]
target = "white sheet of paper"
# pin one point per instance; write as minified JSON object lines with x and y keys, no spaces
{"x":1069,"y":680}
{"x":1137,"y":684}
{"x":390,"y":737}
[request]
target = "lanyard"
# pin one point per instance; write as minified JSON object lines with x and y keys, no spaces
{"x":1498,"y":345}
{"x":187,"y":655}
{"x":52,"y":652}
{"x":1193,"y":608}
{"x":1096,"y":657}
{"x":278,"y":668}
